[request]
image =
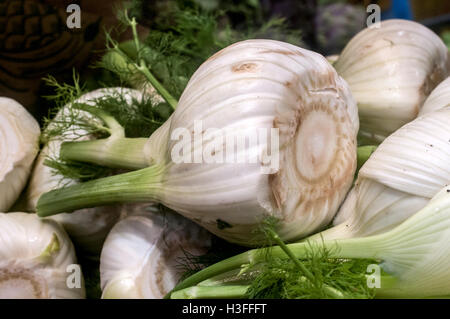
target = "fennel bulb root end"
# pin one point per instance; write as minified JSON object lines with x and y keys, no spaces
{"x":22,"y":283}
{"x":36,"y":254}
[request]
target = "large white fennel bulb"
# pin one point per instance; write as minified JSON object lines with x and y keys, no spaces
{"x":87,"y":227}
{"x":19,"y":144}
{"x":37,"y":259}
{"x":391,"y":70}
{"x":143,"y":255}
{"x":293,"y":96}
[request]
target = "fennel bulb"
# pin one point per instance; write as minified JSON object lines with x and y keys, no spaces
{"x":36,"y":257}
{"x":391,"y":70}
{"x":87,"y":227}
{"x":438,"y":99}
{"x":250,"y":85}
{"x":19,"y":144}
{"x":141,"y":256}
{"x":398,"y":179}
{"x":415,"y":256}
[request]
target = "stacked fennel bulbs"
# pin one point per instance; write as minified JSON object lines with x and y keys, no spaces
{"x":35,"y":255}
{"x":212,"y":196}
{"x":398,"y":212}
{"x":393,"y":208}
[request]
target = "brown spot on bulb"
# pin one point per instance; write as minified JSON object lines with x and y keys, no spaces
{"x":436,"y":76}
{"x":244,"y":67}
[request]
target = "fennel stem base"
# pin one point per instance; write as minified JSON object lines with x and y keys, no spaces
{"x":143,"y":185}
{"x":114,"y":152}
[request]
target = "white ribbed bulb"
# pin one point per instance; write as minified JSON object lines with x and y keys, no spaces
{"x":391,"y":70}
{"x":36,"y":257}
{"x":142,"y":255}
{"x":399,"y":178}
{"x":19,"y":144}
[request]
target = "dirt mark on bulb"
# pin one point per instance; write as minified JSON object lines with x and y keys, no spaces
{"x":244,"y":67}
{"x":433,"y":78}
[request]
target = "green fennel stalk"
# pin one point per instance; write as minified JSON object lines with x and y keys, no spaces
{"x":257,"y":256}
{"x":140,"y":64}
{"x":283,"y":278}
{"x":414,"y":255}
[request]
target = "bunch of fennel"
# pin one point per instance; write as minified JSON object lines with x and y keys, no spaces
{"x":415,"y":257}
{"x":142,"y":253}
{"x":254,"y":84}
{"x":398,"y":179}
{"x":19,"y":145}
{"x":87,"y":227}
{"x":391,"y":70}
{"x":37,"y":259}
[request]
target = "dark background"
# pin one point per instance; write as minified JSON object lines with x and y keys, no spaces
{"x":35,"y":42}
